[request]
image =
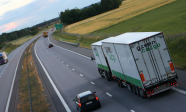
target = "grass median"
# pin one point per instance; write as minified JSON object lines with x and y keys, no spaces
{"x":38,"y":95}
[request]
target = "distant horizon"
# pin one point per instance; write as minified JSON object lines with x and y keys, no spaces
{"x":16,"y":15}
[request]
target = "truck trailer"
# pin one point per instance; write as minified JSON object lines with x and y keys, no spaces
{"x":139,"y":61}
{"x":45,"y":34}
{"x":3,"y":58}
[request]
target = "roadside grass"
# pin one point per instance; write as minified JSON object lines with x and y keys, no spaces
{"x":177,"y":49}
{"x":10,"y":47}
{"x":65,"y":37}
{"x":128,"y":9}
{"x":38,"y":97}
{"x":22,"y":40}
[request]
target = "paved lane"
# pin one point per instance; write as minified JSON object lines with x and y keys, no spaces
{"x":7,"y":74}
{"x":73,"y":74}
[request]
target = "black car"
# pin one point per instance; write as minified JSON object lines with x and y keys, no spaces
{"x":50,"y":45}
{"x":87,"y":101}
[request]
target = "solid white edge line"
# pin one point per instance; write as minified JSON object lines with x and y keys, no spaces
{"x":11,"y":89}
{"x":54,"y":86}
{"x":132,"y":110}
{"x":69,"y":50}
{"x":179,"y":90}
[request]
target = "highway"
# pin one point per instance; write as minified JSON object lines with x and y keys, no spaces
{"x":72,"y":73}
{"x":8,"y":75}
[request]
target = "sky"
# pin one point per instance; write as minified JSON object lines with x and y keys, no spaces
{"x":19,"y":14}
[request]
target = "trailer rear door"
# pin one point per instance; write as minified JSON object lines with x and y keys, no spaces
{"x":150,"y":59}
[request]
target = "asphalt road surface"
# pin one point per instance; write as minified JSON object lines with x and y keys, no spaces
{"x":8,"y":75}
{"x":72,"y":73}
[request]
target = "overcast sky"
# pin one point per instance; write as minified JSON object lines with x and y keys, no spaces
{"x":18,"y":14}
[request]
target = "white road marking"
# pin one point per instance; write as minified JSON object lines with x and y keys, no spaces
{"x":132,"y":110}
{"x":92,"y":82}
{"x":179,"y":90}
{"x":67,"y":65}
{"x":108,"y":94}
{"x":31,"y":63}
{"x":69,"y":50}
{"x":81,"y":75}
{"x":63,"y":61}
{"x":51,"y":81}
{"x":73,"y":69}
{"x":11,"y":89}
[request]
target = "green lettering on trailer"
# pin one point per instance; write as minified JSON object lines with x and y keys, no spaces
{"x":127,"y":78}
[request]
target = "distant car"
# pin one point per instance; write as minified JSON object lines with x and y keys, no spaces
{"x":50,"y":45}
{"x":87,"y":101}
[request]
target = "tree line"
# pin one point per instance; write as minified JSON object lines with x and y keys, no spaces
{"x":75,"y":15}
{"x":6,"y":37}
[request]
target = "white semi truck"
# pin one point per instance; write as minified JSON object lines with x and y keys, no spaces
{"x":3,"y":58}
{"x":139,"y":60}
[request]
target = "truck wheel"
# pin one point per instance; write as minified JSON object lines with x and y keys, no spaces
{"x":123,"y":84}
{"x":101,"y":73}
{"x":107,"y":76}
{"x":134,"y":89}
{"x":142,"y":93}
{"x":137,"y":91}
{"x":119,"y":83}
{"x":130,"y":87}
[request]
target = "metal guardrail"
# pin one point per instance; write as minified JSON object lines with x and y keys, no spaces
{"x":74,"y":44}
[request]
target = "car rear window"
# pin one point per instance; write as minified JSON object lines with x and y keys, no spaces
{"x":87,"y":98}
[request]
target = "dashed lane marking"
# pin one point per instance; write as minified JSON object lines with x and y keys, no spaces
{"x":132,"y":110}
{"x":73,"y":69}
{"x":179,"y":90}
{"x":108,"y":94}
{"x":51,"y":81}
{"x":92,"y":82}
{"x":81,"y":75}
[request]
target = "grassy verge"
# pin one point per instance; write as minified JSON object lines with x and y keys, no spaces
{"x":22,"y":40}
{"x":10,"y":47}
{"x":38,"y":97}
{"x":65,"y":37}
{"x":177,"y":49}
{"x":84,"y":40}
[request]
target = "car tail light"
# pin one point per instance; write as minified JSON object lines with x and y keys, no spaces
{"x":97,"y":98}
{"x":79,"y":104}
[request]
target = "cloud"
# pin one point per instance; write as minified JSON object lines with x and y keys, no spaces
{"x":9,"y":5}
{"x":12,"y":25}
{"x":9,"y":26}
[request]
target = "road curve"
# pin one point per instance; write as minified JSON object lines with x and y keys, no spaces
{"x":73,"y":73}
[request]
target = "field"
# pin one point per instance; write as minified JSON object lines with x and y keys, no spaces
{"x":128,"y":9}
{"x":170,"y":19}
